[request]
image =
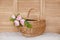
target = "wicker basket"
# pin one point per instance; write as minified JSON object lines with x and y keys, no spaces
{"x":38,"y":27}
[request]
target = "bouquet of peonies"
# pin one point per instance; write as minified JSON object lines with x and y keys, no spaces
{"x":19,"y":21}
{"x":24,"y":26}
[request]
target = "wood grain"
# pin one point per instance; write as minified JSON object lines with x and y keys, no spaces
{"x":9,"y":7}
{"x":52,"y":13}
{"x":6,"y":10}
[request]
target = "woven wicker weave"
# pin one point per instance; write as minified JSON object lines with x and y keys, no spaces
{"x":38,"y":27}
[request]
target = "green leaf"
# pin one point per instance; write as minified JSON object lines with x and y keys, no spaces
{"x":11,"y":19}
{"x":28,"y":24}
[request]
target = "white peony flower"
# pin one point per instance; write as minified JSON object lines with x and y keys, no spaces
{"x":13,"y":16}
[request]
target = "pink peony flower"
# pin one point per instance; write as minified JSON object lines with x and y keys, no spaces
{"x":18,"y":17}
{"x":13,"y":16}
{"x":22,"y":21}
{"x":16,"y":23}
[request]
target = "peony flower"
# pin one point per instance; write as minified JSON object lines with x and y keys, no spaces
{"x":13,"y":16}
{"x":18,"y":17}
{"x":16,"y":23}
{"x":22,"y":21}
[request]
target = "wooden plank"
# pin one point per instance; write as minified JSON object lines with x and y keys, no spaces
{"x":6,"y":10}
{"x":52,"y":14}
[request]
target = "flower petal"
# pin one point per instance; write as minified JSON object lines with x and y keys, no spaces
{"x":18,"y":17}
{"x":16,"y":23}
{"x":22,"y":21}
{"x":13,"y":16}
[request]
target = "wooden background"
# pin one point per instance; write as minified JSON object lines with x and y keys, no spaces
{"x":51,"y":13}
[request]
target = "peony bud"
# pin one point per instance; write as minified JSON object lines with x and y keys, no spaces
{"x":16,"y":23}
{"x":18,"y":17}
{"x":22,"y":21}
{"x":13,"y":16}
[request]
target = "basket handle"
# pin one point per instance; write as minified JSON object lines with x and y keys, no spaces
{"x":29,"y":14}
